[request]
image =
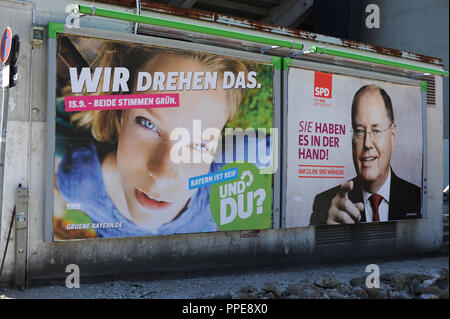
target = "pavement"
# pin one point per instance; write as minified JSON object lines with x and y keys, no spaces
{"x":414,"y":277}
{"x":421,"y":276}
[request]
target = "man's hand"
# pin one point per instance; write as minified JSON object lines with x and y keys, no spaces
{"x":342,"y":210}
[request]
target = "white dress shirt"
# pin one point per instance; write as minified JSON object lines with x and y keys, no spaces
{"x":383,"y":209}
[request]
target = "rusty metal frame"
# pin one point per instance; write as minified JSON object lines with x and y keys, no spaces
{"x":294,"y":48}
{"x":228,"y":20}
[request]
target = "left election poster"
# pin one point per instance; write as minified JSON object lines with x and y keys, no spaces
{"x":154,"y":140}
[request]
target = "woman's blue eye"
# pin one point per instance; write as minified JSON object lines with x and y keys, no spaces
{"x":146,"y":123}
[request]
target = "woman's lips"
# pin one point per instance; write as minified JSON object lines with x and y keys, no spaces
{"x":149,"y":203}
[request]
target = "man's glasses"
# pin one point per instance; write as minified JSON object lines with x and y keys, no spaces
{"x":360,"y":133}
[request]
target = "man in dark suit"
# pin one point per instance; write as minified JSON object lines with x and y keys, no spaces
{"x":376,"y":193}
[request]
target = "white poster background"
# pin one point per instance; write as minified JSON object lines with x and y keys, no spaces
{"x":406,"y":159}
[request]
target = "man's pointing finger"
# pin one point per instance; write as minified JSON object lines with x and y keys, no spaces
{"x":345,"y":188}
{"x":351,"y":209}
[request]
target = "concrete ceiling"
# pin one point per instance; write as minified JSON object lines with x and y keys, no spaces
{"x":296,"y":14}
{"x":286,"y":13}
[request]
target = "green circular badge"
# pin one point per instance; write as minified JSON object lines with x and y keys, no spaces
{"x":243,"y":203}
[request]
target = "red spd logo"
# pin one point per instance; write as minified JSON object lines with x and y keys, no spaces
{"x":323,"y":85}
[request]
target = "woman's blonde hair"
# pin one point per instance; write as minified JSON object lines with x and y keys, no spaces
{"x":105,"y":125}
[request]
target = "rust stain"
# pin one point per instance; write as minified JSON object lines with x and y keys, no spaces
{"x":182,"y":12}
{"x":390,"y":51}
{"x":259,"y":26}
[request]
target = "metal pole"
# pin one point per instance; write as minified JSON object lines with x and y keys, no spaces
{"x":3,"y":122}
{"x":21,"y":237}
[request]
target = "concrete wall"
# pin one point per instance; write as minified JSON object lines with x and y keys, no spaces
{"x":25,"y":142}
{"x":416,"y":26}
{"x":445,"y":158}
{"x":25,"y":159}
{"x":420,"y":27}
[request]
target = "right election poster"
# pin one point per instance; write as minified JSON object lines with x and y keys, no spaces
{"x":354,"y":151}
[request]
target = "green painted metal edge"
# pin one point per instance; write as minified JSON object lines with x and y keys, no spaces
{"x":424,"y":85}
{"x":365,"y":58}
{"x":316,"y":49}
{"x":281,"y":63}
{"x":383,"y":61}
{"x":286,"y":63}
{"x":53,"y":28}
{"x":277,"y":62}
{"x":112,"y":14}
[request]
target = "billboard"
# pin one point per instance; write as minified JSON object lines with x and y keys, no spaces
{"x":354,"y":150}
{"x":155,"y":140}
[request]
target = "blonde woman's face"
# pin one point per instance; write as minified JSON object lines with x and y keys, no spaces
{"x":156,"y":189}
